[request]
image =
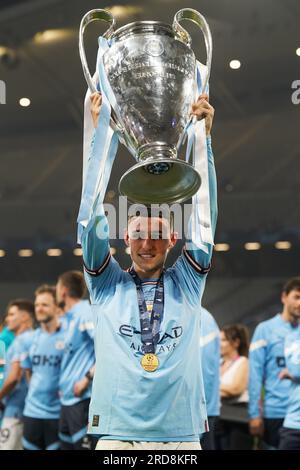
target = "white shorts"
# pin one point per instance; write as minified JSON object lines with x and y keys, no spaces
{"x":104,"y":444}
{"x":11,"y":433}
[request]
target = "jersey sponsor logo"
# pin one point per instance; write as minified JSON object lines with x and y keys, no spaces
{"x":173,"y":334}
{"x":130,"y":331}
{"x":176,"y":332}
{"x":43,"y":360}
{"x":159,"y":349}
{"x":127,"y":330}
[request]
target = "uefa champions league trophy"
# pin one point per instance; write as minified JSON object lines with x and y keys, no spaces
{"x":152,"y":78}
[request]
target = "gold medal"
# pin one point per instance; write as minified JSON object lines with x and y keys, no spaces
{"x":150,"y":362}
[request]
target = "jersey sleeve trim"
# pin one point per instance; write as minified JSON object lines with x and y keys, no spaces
{"x":200,"y":269}
{"x":98,"y":271}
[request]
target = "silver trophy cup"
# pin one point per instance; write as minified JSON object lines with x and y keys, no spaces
{"x":151,"y":69}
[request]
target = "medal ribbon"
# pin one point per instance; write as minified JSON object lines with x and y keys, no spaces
{"x":149,"y":326}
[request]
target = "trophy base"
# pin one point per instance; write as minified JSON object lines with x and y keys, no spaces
{"x":163,"y":180}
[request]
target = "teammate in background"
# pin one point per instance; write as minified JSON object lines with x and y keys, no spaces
{"x":6,"y":336}
{"x":41,"y":354}
{"x":19,"y":320}
{"x":266,"y":364}
{"x":290,"y":432}
{"x":148,"y":387}
{"x":77,"y":362}
{"x":210,"y":351}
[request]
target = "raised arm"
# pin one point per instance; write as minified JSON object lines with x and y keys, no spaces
{"x":194,"y":263}
{"x":102,"y":271}
{"x":95,"y":238}
{"x":203,"y":255}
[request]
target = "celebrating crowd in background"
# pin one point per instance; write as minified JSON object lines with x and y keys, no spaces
{"x":47,"y":352}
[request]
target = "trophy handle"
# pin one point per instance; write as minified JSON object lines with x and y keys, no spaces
{"x":198,"y":19}
{"x":95,"y":15}
{"x":90,"y":16}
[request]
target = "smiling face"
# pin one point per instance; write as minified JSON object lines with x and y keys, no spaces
{"x":149,"y":239}
{"x":45,"y":307}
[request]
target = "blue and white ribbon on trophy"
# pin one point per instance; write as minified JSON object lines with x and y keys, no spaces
{"x":196,"y":135}
{"x":100,"y":145}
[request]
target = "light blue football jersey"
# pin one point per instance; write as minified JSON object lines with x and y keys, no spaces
{"x":127,"y":402}
{"x":210,"y":356}
{"x":79,"y":353}
{"x":292,"y":357}
{"x":41,"y":352}
{"x":266,"y":362}
{"x":15,"y":401}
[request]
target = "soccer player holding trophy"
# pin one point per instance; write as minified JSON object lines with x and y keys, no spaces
{"x":148,"y":388}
